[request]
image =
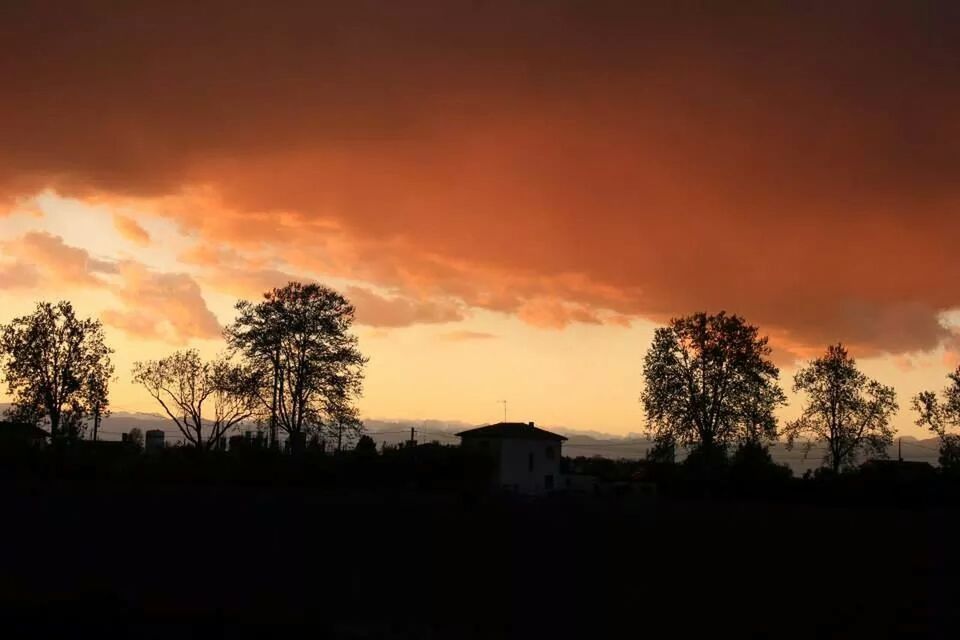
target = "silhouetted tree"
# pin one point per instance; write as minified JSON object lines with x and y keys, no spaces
{"x":845,"y":409}
{"x":366,"y":446}
{"x":57,"y":367}
{"x":299,"y":337}
{"x":258,"y":334}
{"x":204,"y":399}
{"x":710,"y":383}
{"x":340,"y":421}
{"x":135,"y":438}
{"x":942,"y":417}
{"x":664,"y":449}
{"x":96,"y":395}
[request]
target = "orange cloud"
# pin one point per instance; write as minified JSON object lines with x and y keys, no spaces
{"x":168,"y":305}
{"x":131,"y":230}
{"x":555,"y":314}
{"x":563,"y":161}
{"x":378,"y":311}
{"x":43,"y":256}
{"x":467,"y":336}
{"x":155,"y":304}
{"x":247,"y":283}
{"x":14,"y":275}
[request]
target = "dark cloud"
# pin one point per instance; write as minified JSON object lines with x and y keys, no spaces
{"x":795,"y":163}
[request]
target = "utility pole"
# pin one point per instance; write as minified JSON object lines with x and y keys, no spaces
{"x":504,"y":403}
{"x":413,"y":437}
{"x":900,"y":448}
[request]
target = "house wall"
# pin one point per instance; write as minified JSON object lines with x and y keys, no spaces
{"x":490,"y":446}
{"x":515,"y":471}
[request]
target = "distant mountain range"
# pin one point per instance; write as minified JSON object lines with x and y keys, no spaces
{"x":579,"y":443}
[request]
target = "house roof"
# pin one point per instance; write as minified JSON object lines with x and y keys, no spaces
{"x":514,"y":430}
{"x":21,"y":431}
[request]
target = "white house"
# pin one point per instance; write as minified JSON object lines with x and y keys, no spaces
{"x":528,"y":458}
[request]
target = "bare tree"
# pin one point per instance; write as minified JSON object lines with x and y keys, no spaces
{"x":847,"y":411}
{"x":942,"y":417}
{"x":204,"y":399}
{"x":710,"y":383}
{"x":57,"y":367}
{"x":299,"y":337}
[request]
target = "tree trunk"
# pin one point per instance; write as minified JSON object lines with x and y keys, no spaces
{"x":297,"y":442}
{"x":273,"y":403}
{"x":54,"y":424}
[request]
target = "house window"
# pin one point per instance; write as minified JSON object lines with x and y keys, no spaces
{"x":549,"y":451}
{"x":548,"y":482}
{"x":530,"y":461}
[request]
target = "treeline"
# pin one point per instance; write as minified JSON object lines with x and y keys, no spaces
{"x":291,"y":364}
{"x":123,"y":466}
{"x":750,"y":473}
{"x":712,"y":388}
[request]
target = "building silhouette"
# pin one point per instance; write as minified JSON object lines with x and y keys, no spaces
{"x":527,"y":458}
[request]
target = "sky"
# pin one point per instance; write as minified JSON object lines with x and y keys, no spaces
{"x":513,"y":194}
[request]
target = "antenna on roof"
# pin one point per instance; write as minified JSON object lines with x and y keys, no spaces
{"x":504,"y":402}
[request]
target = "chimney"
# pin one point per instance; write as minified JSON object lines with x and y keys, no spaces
{"x":530,"y":424}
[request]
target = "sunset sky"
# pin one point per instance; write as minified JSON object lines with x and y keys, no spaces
{"x":513,"y":194}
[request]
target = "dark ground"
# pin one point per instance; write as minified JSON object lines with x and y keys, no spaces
{"x":269,"y":562}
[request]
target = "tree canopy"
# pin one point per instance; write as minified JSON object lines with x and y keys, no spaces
{"x":57,"y":368}
{"x":845,"y":409}
{"x":942,"y":417}
{"x":299,"y":337}
{"x":710,"y":383}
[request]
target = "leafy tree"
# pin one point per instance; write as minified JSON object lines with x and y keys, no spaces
{"x":710,"y":383}
{"x":258,"y":334}
{"x":204,"y":399}
{"x":845,"y":409}
{"x":299,"y":338}
{"x":57,"y":368}
{"x":942,"y":417}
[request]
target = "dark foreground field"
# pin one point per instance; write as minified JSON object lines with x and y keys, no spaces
{"x":268,"y":562}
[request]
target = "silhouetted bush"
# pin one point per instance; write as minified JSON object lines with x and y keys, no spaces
{"x":949,"y":458}
{"x":753,"y":473}
{"x":748,"y":472}
{"x":704,"y":472}
{"x":366,"y":446}
{"x":430,"y":468}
